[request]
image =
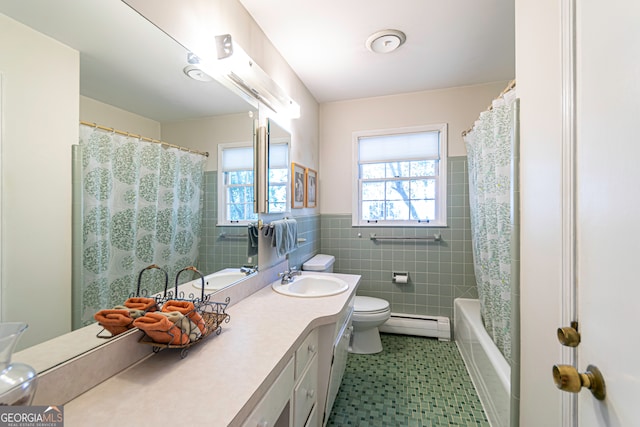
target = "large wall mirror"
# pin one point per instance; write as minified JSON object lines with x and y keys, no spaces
{"x":133,"y":78}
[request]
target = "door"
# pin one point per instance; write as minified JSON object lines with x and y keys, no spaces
{"x":608,"y":207}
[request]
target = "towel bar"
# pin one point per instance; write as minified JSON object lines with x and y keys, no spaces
{"x":434,"y":238}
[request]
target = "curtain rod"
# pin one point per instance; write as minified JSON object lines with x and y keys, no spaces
{"x":144,"y":138}
{"x":510,"y":86}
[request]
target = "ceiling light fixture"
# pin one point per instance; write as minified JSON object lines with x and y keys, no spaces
{"x":385,"y":41}
{"x":197,"y":74}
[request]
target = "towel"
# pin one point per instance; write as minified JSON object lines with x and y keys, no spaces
{"x":253,"y":232}
{"x":184,"y":323}
{"x":114,"y":321}
{"x":141,"y":303}
{"x":285,"y":236}
{"x":160,"y":329}
{"x":188,"y":309}
{"x":132,"y":311}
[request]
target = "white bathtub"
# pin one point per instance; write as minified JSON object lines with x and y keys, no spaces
{"x":487,"y":367}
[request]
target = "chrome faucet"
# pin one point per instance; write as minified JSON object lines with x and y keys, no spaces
{"x":287,"y":275}
{"x":248,"y":269}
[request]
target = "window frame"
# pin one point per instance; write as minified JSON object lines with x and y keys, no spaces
{"x":441,"y":177}
{"x":222,"y":187}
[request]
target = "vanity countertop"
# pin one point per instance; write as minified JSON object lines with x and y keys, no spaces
{"x":222,"y":378}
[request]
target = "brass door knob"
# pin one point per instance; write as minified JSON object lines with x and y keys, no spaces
{"x":567,"y":378}
{"x":569,"y":335}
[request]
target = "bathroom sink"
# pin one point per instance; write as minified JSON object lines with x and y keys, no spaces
{"x":220,"y":279}
{"x":311,"y":286}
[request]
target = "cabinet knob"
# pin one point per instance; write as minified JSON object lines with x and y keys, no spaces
{"x":311,"y":393}
{"x":263,"y":424}
{"x":312,"y":348}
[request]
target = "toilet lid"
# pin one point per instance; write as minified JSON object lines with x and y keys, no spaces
{"x":370,"y":305}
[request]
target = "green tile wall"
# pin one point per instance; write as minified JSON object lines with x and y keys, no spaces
{"x":439,"y":272}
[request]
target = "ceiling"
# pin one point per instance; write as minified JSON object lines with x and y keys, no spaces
{"x":127,"y":62}
{"x":449,"y":43}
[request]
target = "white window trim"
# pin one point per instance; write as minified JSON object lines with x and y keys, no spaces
{"x":441,"y":187}
{"x":222,"y":194}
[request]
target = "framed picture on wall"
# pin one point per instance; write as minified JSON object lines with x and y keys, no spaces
{"x":310,"y":188}
{"x":297,"y":186}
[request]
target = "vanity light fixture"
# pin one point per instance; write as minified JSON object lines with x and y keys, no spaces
{"x":385,"y":41}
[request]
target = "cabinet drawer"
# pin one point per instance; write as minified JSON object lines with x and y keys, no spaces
{"x":306,"y":351}
{"x":305,"y":394}
{"x":267,"y":412}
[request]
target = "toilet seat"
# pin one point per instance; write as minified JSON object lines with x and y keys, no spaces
{"x":370,"y":305}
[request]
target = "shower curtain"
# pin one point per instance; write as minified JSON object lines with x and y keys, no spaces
{"x":490,"y":151}
{"x":141,"y":205}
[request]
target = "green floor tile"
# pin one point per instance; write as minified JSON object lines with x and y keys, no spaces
{"x":415,"y":381}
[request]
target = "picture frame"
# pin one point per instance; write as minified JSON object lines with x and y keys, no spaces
{"x":310,"y":188}
{"x":297,"y":186}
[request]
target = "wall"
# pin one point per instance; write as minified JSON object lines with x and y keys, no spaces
{"x":538,"y":75}
{"x":439,"y":272}
{"x":93,"y":111}
{"x":39,"y":125}
{"x":459,"y":107}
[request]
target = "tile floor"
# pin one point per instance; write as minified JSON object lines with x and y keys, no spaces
{"x":415,"y":381}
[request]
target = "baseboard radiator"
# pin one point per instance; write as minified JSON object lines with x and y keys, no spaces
{"x":416,"y":324}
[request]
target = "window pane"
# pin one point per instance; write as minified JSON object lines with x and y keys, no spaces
{"x":423,"y":189}
{"x":423,"y":168}
{"x":423,"y":209}
{"x":373,"y":190}
{"x":397,"y":169}
{"x":372,"y":210}
{"x":372,"y":171}
{"x":397,"y":190}
{"x":240,"y":177}
{"x":278,"y":175}
{"x":397,"y":210}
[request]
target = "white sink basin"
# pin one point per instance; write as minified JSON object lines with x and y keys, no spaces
{"x":311,"y":286}
{"x":219,"y":279}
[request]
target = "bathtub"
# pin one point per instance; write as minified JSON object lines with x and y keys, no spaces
{"x":487,"y":367}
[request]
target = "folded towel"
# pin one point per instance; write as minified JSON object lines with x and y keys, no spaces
{"x":184,"y":323}
{"x":285,"y":236}
{"x":160,"y":329}
{"x":188,"y":309}
{"x":141,"y":303}
{"x":252,"y":232}
{"x":114,"y":321}
{"x":132,"y":311}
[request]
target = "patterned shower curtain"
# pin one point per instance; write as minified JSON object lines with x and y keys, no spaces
{"x":142,"y":205}
{"x":490,"y":151}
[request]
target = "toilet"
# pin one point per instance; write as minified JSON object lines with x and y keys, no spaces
{"x":368,"y":314}
{"x":320,"y":263}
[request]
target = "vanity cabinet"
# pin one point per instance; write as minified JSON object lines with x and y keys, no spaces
{"x":272,"y":411}
{"x":291,"y":399}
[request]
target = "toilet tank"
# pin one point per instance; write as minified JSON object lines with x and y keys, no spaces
{"x":321,"y":263}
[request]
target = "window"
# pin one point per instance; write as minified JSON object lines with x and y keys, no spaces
{"x":235,"y":184}
{"x":278,"y":176}
{"x":400,"y":177}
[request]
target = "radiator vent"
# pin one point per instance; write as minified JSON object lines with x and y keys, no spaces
{"x":415,"y":324}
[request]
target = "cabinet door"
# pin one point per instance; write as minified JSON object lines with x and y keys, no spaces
{"x":268,"y":411}
{"x":305,"y":394}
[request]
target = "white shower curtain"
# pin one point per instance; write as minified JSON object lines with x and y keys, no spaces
{"x":142,"y":204}
{"x":490,"y":151}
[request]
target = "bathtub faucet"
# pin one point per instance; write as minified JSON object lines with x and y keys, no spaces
{"x":287,"y":275}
